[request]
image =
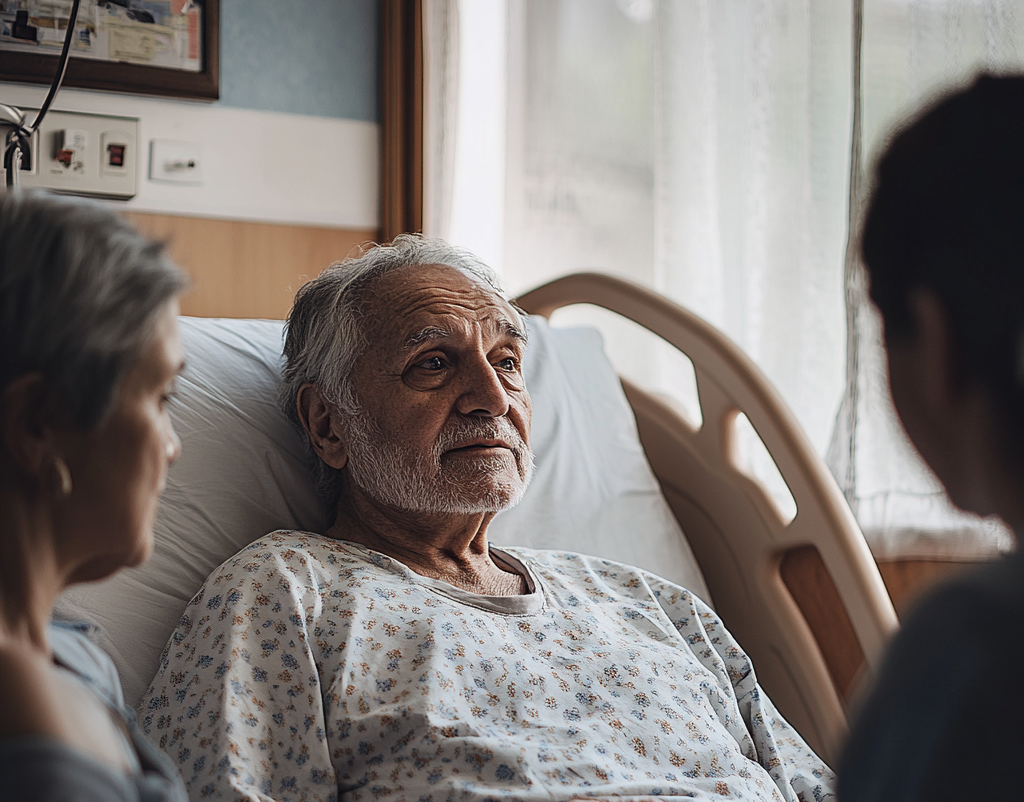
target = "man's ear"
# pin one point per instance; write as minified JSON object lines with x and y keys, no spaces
{"x":26,"y":431}
{"x":322,"y":425}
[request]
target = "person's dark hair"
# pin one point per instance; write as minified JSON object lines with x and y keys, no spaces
{"x":947,"y":214}
{"x":79,"y":293}
{"x":325,"y":333}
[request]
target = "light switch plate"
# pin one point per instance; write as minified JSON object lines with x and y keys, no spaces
{"x":175,"y":162}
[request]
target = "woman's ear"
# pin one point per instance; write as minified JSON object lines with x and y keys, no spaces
{"x":940,"y":372}
{"x":27,"y":429}
{"x":322,"y":425}
{"x":949,"y":415}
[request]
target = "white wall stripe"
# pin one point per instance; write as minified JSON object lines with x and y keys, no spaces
{"x":257,"y":165}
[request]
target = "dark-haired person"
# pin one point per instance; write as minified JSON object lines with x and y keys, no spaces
{"x":89,"y":352}
{"x":944,"y":246}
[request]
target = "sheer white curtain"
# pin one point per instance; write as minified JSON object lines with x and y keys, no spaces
{"x":911,"y":51}
{"x":442,"y":85}
{"x":753,"y":139}
{"x":703,"y":148}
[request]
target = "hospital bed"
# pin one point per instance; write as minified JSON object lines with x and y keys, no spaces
{"x":803,"y":596}
{"x":621,"y":473}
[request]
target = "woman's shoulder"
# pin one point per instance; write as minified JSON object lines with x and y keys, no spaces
{"x":47,"y":769}
{"x":43,"y":768}
{"x":24,"y":694}
{"x":963,"y":623}
{"x":73,"y":648}
{"x":936,"y":685}
{"x":969,"y":607}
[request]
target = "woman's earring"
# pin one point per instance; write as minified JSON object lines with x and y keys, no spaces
{"x":63,"y":484}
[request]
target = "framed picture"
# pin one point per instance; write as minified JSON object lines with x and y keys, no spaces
{"x":144,"y":47}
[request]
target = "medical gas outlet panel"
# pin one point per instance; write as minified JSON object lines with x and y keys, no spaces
{"x":82,"y":154}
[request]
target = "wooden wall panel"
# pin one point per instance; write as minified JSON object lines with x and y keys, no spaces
{"x":243,"y":269}
{"x":401,"y":117}
{"x":908,"y":580}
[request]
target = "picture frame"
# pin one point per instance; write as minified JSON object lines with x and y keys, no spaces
{"x":120,"y":76}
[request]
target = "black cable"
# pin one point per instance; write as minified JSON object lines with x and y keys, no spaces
{"x":62,"y":65}
{"x":18,"y":139}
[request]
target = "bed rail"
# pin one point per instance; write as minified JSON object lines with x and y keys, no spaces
{"x":803,"y":597}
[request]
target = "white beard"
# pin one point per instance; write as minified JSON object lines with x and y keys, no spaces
{"x":393,"y":474}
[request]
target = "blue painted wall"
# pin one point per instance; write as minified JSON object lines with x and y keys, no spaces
{"x":314,"y":57}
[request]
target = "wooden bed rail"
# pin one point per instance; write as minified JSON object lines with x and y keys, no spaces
{"x":803,"y":597}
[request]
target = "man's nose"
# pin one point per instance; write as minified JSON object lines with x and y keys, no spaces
{"x":483,"y":392}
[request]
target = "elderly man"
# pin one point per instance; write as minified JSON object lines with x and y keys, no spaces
{"x":399,"y":656}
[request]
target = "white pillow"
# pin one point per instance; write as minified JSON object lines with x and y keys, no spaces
{"x":242,"y":473}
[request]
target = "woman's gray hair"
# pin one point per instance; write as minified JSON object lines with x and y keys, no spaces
{"x":325,"y":334}
{"x":79,"y":293}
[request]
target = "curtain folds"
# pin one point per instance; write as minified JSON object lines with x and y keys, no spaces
{"x":751,"y":175}
{"x":440,"y":112}
{"x":911,"y":51}
{"x":720,"y":152}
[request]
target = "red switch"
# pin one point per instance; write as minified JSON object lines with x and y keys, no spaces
{"x":115,"y":155}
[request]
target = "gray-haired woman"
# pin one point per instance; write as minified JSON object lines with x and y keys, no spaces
{"x":89,"y":353}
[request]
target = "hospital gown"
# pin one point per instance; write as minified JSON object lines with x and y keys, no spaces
{"x":315,"y":669}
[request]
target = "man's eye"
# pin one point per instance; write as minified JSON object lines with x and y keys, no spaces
{"x":434,"y":363}
{"x":508,"y":363}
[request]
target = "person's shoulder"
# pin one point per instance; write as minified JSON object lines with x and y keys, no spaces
{"x":567,"y":560}
{"x":285,"y":559}
{"x":610,"y":575}
{"x":47,"y":770}
{"x":1000,"y":582}
{"x":953,"y":637}
{"x":969,"y":606}
{"x":283,"y":540}
{"x":930,"y":687}
{"x":956,"y":621}
{"x":73,"y":647}
{"x":24,"y":692}
{"x":607,"y":570}
{"x":286,"y":549}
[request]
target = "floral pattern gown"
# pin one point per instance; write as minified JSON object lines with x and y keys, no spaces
{"x":309,"y":668}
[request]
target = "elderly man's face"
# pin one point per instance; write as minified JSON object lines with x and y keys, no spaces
{"x":444,"y":421}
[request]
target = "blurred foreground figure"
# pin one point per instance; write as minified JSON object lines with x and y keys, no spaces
{"x":944,"y":246}
{"x":89,"y":352}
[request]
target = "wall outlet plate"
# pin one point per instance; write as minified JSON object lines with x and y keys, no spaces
{"x":72,"y":153}
{"x":175,"y":162}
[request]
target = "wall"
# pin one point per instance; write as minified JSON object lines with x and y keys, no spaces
{"x":265,"y":63}
{"x":294,"y":138}
{"x":246,"y":269}
{"x":290,"y":153}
